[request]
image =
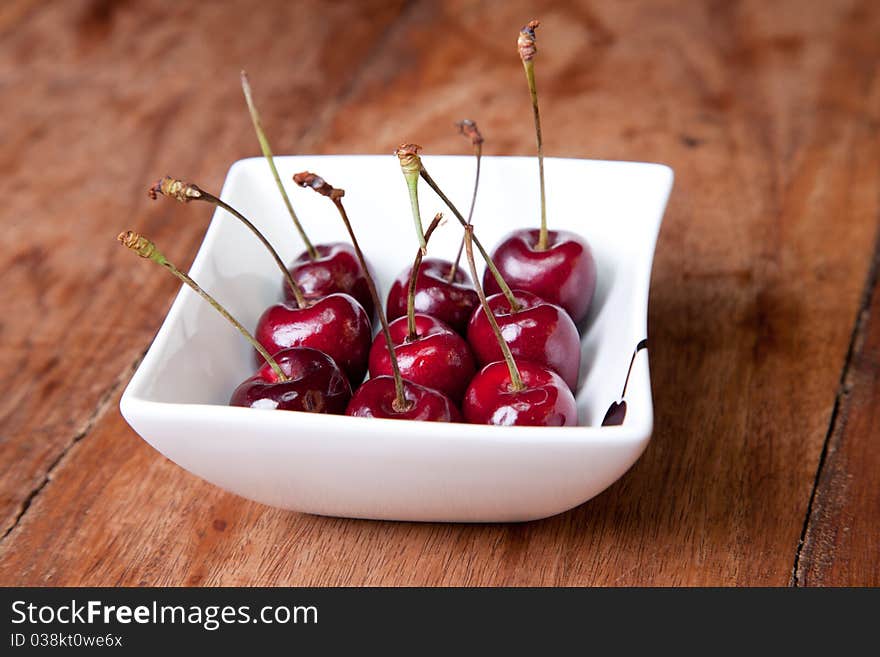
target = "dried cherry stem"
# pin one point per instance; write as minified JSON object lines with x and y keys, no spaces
{"x":515,"y":378}
{"x":267,"y":153}
{"x":469,"y":129}
{"x":408,"y":154}
{"x":413,"y":278}
{"x":505,"y":288}
{"x":318,"y":184}
{"x":527,"y":51}
{"x":146,"y":249}
{"x":186,"y":192}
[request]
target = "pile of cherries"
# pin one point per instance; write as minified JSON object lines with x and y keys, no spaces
{"x":505,"y":351}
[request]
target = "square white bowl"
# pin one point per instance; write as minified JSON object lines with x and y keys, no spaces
{"x":393,"y":469}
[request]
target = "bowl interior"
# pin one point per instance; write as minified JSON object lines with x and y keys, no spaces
{"x":199,"y":359}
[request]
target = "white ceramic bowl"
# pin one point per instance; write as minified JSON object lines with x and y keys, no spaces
{"x":392,"y":469}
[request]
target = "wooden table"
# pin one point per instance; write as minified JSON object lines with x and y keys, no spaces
{"x":764,"y":321}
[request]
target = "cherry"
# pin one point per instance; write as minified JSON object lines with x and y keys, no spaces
{"x":556,"y":343}
{"x":383,"y":396}
{"x":558,"y":266}
{"x":378,"y":398}
{"x":544,"y":400}
{"x":321,"y":269}
{"x":563,"y":273}
{"x":442,"y":289}
{"x":510,"y":393}
{"x":558,"y":337}
{"x":335,"y":324}
{"x":535,"y":330}
{"x":452,"y":302}
{"x":413,"y":169}
{"x":428,"y":351}
{"x":300,"y":379}
{"x":334,"y":268}
{"x":437,"y":357}
{"x":314,"y":384}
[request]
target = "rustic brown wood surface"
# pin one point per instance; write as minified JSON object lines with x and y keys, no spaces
{"x":770,"y":115}
{"x":841,"y":540}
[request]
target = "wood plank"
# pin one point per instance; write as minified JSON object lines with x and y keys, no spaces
{"x":842,"y":537}
{"x":82,"y":142}
{"x":769,"y":116}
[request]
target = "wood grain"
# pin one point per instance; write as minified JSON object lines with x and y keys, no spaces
{"x":769,"y":116}
{"x":83,"y":139}
{"x":842,"y":536}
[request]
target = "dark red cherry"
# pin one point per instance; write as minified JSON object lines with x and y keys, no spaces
{"x":451,"y":303}
{"x":316,"y":384}
{"x":336,"y":324}
{"x":437,"y":357}
{"x":563,"y":274}
{"x":546,"y":400}
{"x":539,"y":332}
{"x":336,"y":269}
{"x":376,"y":399}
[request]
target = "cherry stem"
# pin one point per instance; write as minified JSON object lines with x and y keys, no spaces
{"x":469,"y":129}
{"x":318,"y":184}
{"x":267,"y":153}
{"x":527,"y":51}
{"x":413,"y":278}
{"x":146,"y":249}
{"x":297,"y":291}
{"x":409,"y":164}
{"x":186,"y":192}
{"x":515,"y":378}
{"x":505,"y":288}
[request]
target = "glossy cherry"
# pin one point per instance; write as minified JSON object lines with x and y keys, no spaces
{"x":384,"y":396}
{"x":321,"y":269}
{"x":437,"y":357}
{"x":451,"y":302}
{"x":336,"y":324}
{"x":443,"y":290}
{"x":314,"y":384}
{"x":334,"y":268}
{"x":426,"y":350}
{"x":377,"y":398}
{"x":564,"y":273}
{"x":300,"y":379}
{"x":413,"y":171}
{"x":558,"y":266}
{"x":545,"y":401}
{"x":537,"y":331}
{"x":506,"y":392}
